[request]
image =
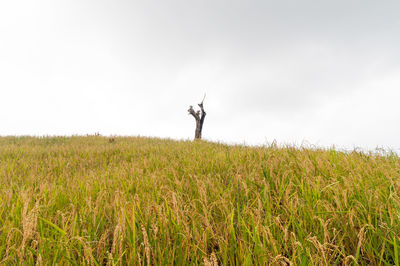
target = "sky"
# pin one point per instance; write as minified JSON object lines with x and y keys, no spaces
{"x":310,"y":72}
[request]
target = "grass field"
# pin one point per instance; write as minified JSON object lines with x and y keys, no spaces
{"x":85,"y":200}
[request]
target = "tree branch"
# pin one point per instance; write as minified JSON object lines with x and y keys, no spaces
{"x":193,"y":113}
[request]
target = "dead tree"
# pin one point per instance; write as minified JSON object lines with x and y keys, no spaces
{"x":199,"y":116}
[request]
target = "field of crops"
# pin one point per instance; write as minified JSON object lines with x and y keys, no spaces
{"x":88,"y":200}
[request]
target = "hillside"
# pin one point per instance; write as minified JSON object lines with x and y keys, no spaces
{"x":85,"y":200}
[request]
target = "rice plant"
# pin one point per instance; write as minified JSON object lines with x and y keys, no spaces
{"x":146,"y":201}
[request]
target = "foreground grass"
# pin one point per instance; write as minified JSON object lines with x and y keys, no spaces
{"x":84,"y":200}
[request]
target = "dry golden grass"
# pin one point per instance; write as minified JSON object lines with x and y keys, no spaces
{"x":88,"y":200}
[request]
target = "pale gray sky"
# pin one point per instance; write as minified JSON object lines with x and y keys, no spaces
{"x":324,"y":72}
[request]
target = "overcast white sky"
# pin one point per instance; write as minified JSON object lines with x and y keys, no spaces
{"x":324,"y":72}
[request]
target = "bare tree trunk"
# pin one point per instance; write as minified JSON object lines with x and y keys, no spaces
{"x":199,"y":116}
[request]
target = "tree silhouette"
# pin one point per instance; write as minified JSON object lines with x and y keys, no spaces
{"x":199,"y":116}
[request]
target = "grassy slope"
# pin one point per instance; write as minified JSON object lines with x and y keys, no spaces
{"x":84,"y":200}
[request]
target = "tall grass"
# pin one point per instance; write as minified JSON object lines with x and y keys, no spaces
{"x":88,"y":201}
